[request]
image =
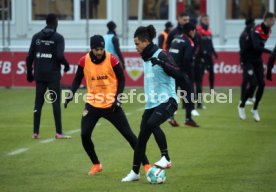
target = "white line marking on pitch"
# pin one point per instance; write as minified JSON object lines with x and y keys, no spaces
{"x":47,"y":140}
{"x":98,"y":124}
{"x":73,"y":131}
{"x":128,"y":114}
{"x":18,"y":151}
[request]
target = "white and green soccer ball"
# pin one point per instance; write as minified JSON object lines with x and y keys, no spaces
{"x":156,"y":175}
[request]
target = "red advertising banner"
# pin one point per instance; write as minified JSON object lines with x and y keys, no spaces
{"x":228,"y":72}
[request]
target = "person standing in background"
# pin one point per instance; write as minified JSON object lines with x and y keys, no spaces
{"x":162,"y":39}
{"x":45,"y":56}
{"x":207,"y":48}
{"x":247,"y":75}
{"x":112,"y":44}
{"x":183,"y":18}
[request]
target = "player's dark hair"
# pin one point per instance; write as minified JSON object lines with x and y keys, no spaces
{"x":188,"y":27}
{"x":268,"y":15}
{"x":143,"y":33}
{"x":51,"y":19}
{"x":183,"y":14}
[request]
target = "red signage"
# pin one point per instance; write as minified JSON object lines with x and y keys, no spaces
{"x":227,"y":69}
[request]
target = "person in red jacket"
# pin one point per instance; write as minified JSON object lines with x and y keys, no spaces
{"x":254,"y":50}
{"x":207,"y":48}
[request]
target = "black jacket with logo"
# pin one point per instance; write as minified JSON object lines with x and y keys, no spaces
{"x":46,"y":54}
{"x":182,"y":50}
{"x":255,"y":47}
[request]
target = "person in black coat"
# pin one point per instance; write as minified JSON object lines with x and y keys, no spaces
{"x":45,"y":56}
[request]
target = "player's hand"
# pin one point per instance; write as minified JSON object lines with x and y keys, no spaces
{"x":156,"y":61}
{"x":30,"y":77}
{"x":66,"y":68}
{"x":67,"y":100}
{"x":269,"y":74}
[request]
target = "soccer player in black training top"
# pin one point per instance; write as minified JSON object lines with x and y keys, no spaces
{"x":253,"y":52}
{"x":182,"y":50}
{"x":183,"y":18}
{"x":247,"y":75}
{"x":105,"y":82}
{"x":46,"y":54}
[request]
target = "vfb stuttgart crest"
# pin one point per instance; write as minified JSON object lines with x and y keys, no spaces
{"x":134,"y":67}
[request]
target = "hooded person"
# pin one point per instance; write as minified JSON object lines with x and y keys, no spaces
{"x":43,"y":62}
{"x":162,"y":38}
{"x":112,"y":43}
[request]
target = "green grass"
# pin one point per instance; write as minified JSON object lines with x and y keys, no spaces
{"x":225,"y":154}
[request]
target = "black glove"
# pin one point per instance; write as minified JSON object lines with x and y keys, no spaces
{"x":269,"y":74}
{"x":156,"y":61}
{"x":66,"y":68}
{"x":67,"y":100}
{"x":30,"y":77}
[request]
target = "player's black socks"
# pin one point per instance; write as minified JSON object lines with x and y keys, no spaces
{"x":136,"y":168}
{"x":165,"y":153}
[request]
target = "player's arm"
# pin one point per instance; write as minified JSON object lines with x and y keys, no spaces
{"x":188,"y":55}
{"x":168,"y":64}
{"x":272,"y":59}
{"x":116,"y":44}
{"x":30,"y":60}
{"x":170,"y":39}
{"x":257,"y":43}
{"x":60,"y":53}
{"x":270,"y":64}
{"x":120,"y":77}
{"x":213,"y":49}
{"x":160,"y":41}
{"x":76,"y":82}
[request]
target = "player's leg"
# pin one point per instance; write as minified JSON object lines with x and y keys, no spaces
{"x":250,"y":75}
{"x":259,"y":71}
{"x":199,"y":71}
{"x":41,"y":88}
{"x":211,"y":73}
{"x":159,"y":116}
{"x":140,"y":149}
{"x":55,"y":90}
{"x":244,"y":83}
{"x":120,"y":122}
{"x":89,"y":119}
{"x":143,"y":137}
{"x":187,"y":86}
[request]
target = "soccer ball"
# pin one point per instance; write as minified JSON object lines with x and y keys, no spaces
{"x":156,"y":175}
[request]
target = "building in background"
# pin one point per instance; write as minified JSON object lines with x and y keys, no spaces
{"x":80,"y":19}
